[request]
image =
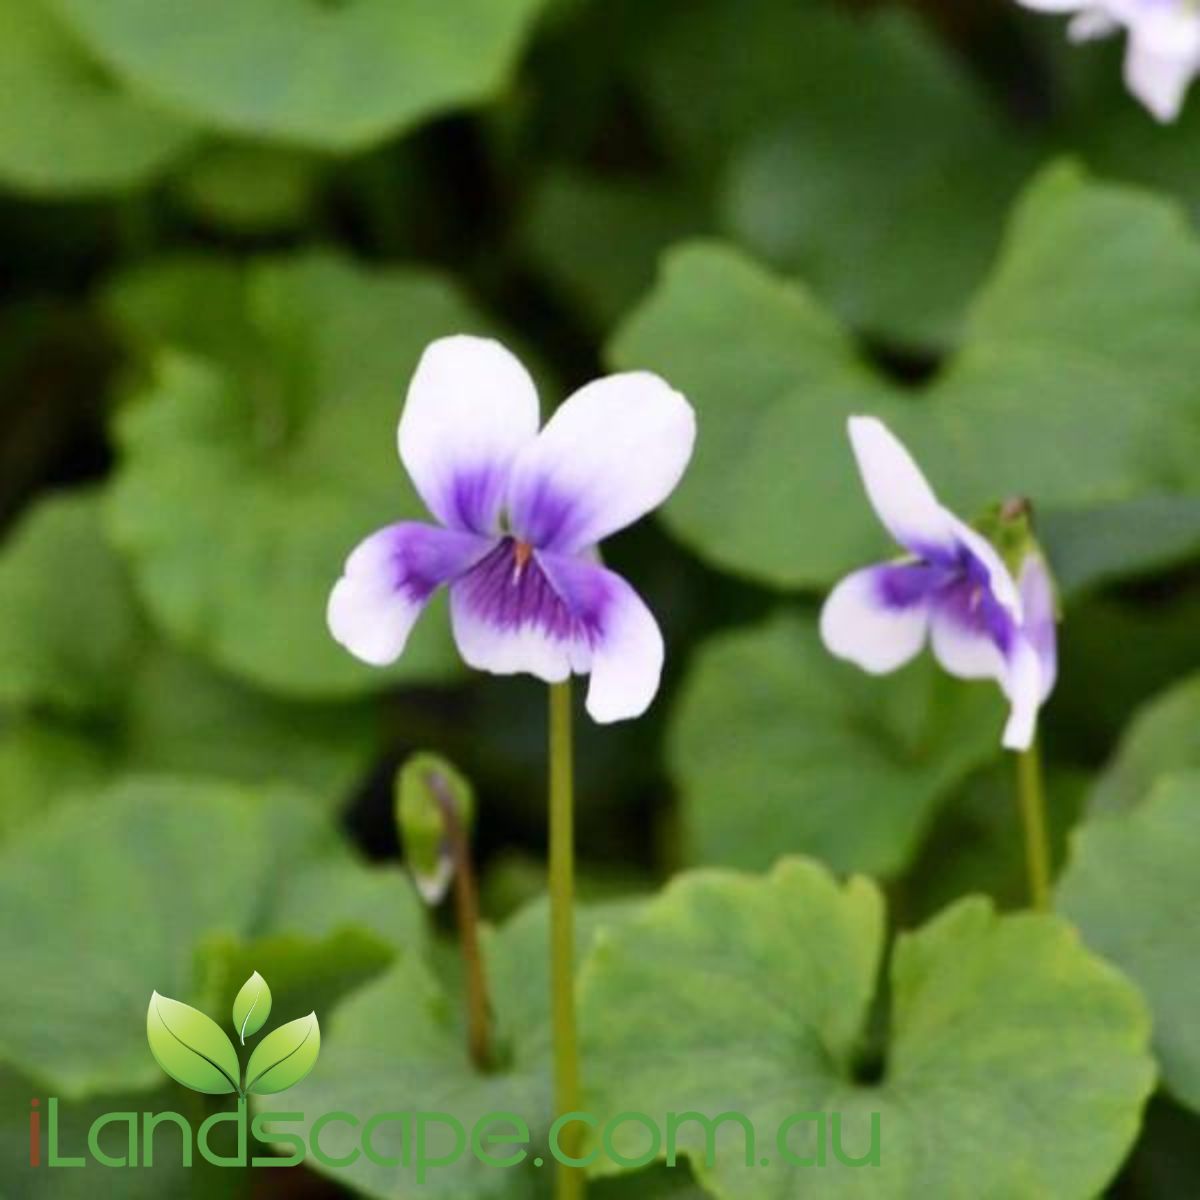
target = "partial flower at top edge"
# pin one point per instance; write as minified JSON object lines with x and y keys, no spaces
{"x":1162,"y":54}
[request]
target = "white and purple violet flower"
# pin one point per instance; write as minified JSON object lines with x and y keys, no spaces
{"x":954,"y":589}
{"x":1163,"y":53}
{"x":521,"y":513}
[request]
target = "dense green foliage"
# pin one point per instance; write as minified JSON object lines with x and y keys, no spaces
{"x":228,"y":229}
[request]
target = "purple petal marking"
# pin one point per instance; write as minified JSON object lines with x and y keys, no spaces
{"x":544,"y":516}
{"x":966,"y":599}
{"x":420,"y":558}
{"x":509,"y":595}
{"x":899,"y":586}
{"x":473,"y":499}
{"x":386,"y":581}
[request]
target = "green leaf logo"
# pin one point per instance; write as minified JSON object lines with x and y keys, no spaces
{"x":251,"y":1007}
{"x":190,"y":1047}
{"x":284,"y":1056}
{"x":195,"y":1051}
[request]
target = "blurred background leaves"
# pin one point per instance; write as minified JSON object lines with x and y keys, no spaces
{"x":226,"y":233}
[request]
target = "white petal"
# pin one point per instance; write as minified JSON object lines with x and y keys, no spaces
{"x":626,"y":644}
{"x":611,"y":453}
{"x":1091,"y":24}
{"x":471,"y":408}
{"x":1159,"y":73}
{"x":963,"y":651}
{"x":1037,"y":594}
{"x":1024,"y":690}
{"x":388,"y":580}
{"x":859,"y":623}
{"x":898,"y":491}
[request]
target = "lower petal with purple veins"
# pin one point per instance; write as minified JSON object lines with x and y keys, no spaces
{"x":509,"y":620}
{"x":877,"y":617}
{"x":626,"y":644}
{"x":551,"y":616}
{"x":387,"y":581}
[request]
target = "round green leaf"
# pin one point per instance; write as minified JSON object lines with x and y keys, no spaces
{"x":1131,"y":888}
{"x":597,"y":237}
{"x":776,"y":746}
{"x":284,"y":1056}
{"x":169,"y":1177}
{"x":398,"y":1045}
{"x":247,"y":476}
{"x":803,"y":191}
{"x":251,"y":1007}
{"x":191,"y":1047}
{"x":98,"y":696}
{"x":40,"y":763}
{"x":66,"y":126}
{"x":69,"y":631}
{"x":328,"y":75}
{"x":1012,"y":1054}
{"x":1081,"y":337}
{"x":111,"y":897}
{"x":1164,"y":737}
{"x":308,"y":973}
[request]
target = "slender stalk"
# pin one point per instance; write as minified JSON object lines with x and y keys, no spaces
{"x":1031,"y":799}
{"x":569,"y":1180}
{"x":466,"y":911}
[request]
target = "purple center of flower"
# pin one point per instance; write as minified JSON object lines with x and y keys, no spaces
{"x":508,"y":589}
{"x":957,"y":585}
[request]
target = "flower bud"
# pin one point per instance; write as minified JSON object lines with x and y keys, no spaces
{"x":433,"y":804}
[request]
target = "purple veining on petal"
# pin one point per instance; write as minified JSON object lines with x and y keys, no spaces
{"x":902,"y":585}
{"x":474,"y":498}
{"x":969,"y":602}
{"x":420,"y":558}
{"x":509,"y":592}
{"x":543,"y":515}
{"x":958,"y":585}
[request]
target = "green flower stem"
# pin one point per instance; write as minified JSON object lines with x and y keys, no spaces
{"x":466,"y":911}
{"x":570,"y":1180}
{"x":1032,"y":802}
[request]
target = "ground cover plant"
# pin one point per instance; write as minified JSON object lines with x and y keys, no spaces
{"x":600,"y":598}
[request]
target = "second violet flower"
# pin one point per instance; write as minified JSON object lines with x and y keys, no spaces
{"x":953,"y":589}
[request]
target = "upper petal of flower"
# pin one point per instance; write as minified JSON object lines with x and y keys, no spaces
{"x":898,"y":491}
{"x":388,"y":579}
{"x":626,"y":644}
{"x":471,"y":408}
{"x":1037,"y":595}
{"x":877,"y":617}
{"x":612,"y":452}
